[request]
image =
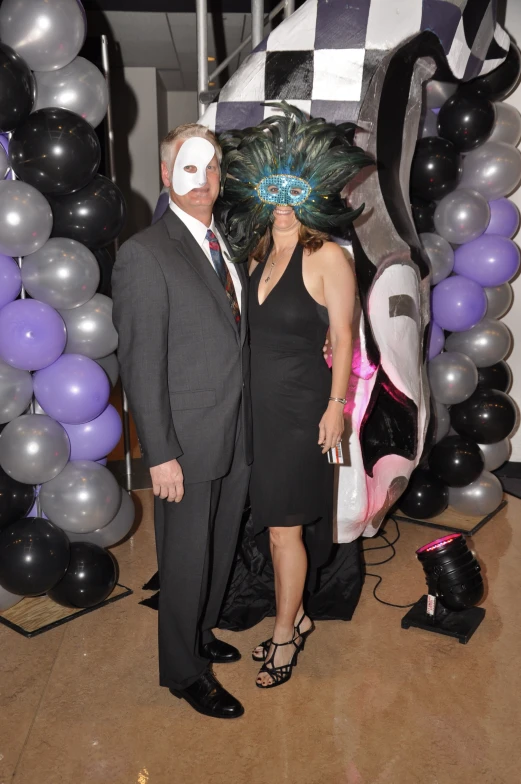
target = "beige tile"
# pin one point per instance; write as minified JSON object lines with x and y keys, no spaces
{"x":25,"y":667}
{"x":369,"y":703}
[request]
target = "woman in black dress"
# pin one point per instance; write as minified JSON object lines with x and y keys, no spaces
{"x":301,"y":286}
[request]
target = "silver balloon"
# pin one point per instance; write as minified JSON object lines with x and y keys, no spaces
{"x":8,"y":599}
{"x":116,"y":530}
{"x":462,"y":216}
{"x":494,"y":170}
{"x":63,"y":273}
{"x":478,"y":499}
{"x":25,"y":218}
{"x":79,"y":87}
{"x":507,"y":127}
{"x":453,"y":377}
{"x":48,"y":35}
{"x":111,"y":367}
{"x":442,"y":424}
{"x":34,"y":449}
{"x":83,"y":498}
{"x":440,"y":255}
{"x":486,"y":343}
{"x":16,"y":391}
{"x":428,"y":124}
{"x":90,"y":330}
{"x":436,"y":93}
{"x":4,"y":163}
{"x":499,"y":299}
{"x":496,"y":454}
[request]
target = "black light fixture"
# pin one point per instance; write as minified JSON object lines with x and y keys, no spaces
{"x":455,"y":586}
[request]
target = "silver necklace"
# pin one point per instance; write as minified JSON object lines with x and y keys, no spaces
{"x":273,"y":264}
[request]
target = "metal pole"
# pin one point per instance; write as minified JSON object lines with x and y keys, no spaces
{"x":201,"y":8}
{"x":278,"y":8}
{"x":112,"y":171}
{"x":257,"y":22}
{"x":289,"y":7}
{"x":23,"y":295}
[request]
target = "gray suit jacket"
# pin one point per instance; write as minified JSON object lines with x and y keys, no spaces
{"x":184,"y":364}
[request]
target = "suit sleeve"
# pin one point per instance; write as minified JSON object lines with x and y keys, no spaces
{"x":141,"y":314}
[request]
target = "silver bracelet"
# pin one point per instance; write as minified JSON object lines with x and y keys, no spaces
{"x":342,"y":400}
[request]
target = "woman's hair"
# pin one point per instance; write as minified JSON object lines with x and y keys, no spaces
{"x":310,"y":239}
{"x":316,"y":151}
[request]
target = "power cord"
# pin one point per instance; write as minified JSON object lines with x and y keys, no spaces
{"x":386,"y":560}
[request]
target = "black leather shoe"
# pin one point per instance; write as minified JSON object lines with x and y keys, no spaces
{"x":220,"y":652}
{"x":207,"y":696}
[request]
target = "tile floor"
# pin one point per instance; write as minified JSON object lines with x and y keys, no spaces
{"x":368,"y":704}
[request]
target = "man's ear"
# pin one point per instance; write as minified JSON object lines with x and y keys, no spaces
{"x":165,"y":175}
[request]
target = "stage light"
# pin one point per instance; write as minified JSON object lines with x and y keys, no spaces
{"x":455,"y":586}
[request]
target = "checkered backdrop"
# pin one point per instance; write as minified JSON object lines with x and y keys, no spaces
{"x":322,"y":58}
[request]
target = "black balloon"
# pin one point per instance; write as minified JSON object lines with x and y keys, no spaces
{"x":105,"y":264}
{"x":426,"y":496}
{"x":497,"y":84}
{"x":456,"y":460}
{"x":55,"y":151}
{"x":16,"y":89}
{"x":34,"y":555}
{"x":90,"y":578}
{"x":466,"y":120}
{"x":423,"y":215}
{"x":93,"y":215}
{"x":498,"y":376}
{"x":16,"y":499}
{"x":436,"y":168}
{"x":488,"y":416}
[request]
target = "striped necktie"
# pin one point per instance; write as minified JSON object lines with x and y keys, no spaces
{"x":223,"y":273}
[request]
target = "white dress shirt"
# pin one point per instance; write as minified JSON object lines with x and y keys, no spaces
{"x":198,"y":231}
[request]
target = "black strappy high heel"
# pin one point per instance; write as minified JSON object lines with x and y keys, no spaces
{"x":282,"y":674}
{"x":303,"y":635}
{"x":266,"y":644}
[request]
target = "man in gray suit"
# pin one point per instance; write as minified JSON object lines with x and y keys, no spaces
{"x":180,"y":312}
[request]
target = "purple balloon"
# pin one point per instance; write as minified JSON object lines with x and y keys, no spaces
{"x":4,"y":141}
{"x":436,"y":340}
{"x":95,"y":439}
{"x":32,"y":334}
{"x":10,"y":279}
{"x":490,"y":260}
{"x":458,"y":303}
{"x":74,"y":389}
{"x":504,"y":218}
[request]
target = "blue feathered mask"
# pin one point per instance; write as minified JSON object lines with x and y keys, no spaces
{"x":287,"y":159}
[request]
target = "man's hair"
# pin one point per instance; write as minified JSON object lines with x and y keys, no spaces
{"x":182,"y":132}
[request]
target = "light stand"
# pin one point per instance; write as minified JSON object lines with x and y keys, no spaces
{"x":455,"y":585}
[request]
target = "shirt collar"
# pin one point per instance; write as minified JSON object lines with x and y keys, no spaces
{"x":196,"y":228}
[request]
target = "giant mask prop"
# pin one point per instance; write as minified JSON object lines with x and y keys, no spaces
{"x":368,"y":64}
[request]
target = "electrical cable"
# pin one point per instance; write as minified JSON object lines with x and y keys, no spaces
{"x":378,"y":563}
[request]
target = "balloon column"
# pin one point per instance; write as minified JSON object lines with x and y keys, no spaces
{"x":465,"y":166}
{"x":57,"y":340}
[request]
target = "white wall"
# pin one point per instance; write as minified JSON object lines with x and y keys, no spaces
{"x":182,"y":108}
{"x":513,"y":317}
{"x":136,"y":134}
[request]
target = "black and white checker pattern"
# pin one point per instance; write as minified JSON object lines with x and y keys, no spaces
{"x":322,"y":58}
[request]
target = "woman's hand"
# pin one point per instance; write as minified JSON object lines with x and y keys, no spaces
{"x":331,"y":426}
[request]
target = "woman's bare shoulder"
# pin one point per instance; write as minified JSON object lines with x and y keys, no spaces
{"x":331,"y":254}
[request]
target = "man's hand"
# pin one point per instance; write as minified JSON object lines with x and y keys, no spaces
{"x":167,"y":481}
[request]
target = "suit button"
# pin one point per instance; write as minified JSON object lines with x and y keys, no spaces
{"x":243,"y":384}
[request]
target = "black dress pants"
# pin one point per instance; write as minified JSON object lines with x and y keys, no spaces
{"x":196,"y":541}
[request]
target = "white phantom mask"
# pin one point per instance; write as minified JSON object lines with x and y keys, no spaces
{"x":195,"y":152}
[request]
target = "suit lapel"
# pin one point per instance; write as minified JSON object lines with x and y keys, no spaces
{"x":197,"y":259}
